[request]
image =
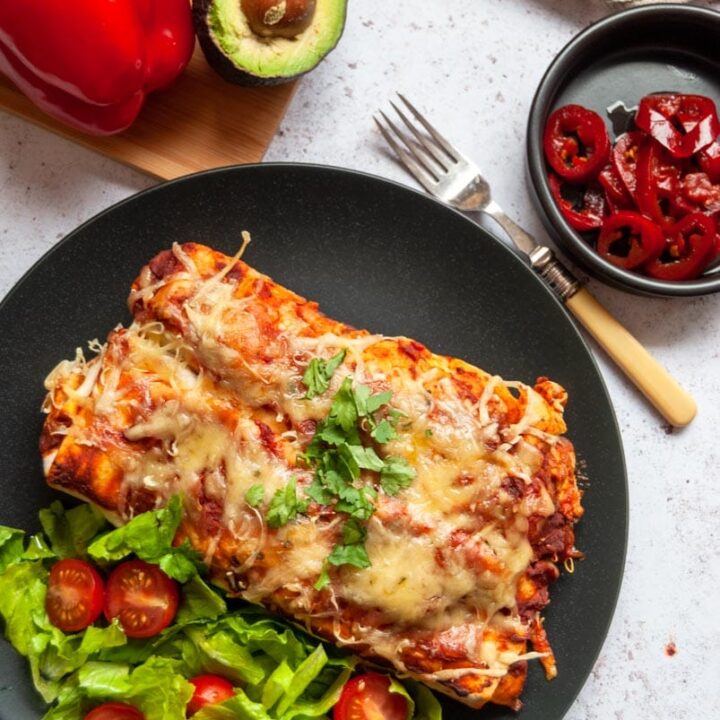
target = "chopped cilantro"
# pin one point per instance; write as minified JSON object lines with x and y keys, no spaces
{"x":361,"y":395}
{"x":353,"y":532}
{"x":285,"y":505}
{"x":344,"y":411}
{"x":319,"y":373}
{"x":331,"y":434}
{"x":324,"y":579}
{"x":357,"y":502}
{"x":396,"y":475}
{"x":333,"y":481}
{"x":254,"y":496}
{"x":384,"y":432}
{"x":338,"y":453}
{"x":354,"y":554}
{"x":319,"y":493}
{"x":375,"y":402}
{"x":366,"y":458}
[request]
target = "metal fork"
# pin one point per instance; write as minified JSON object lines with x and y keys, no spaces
{"x":456,"y":180}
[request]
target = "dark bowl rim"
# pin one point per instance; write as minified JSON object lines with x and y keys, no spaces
{"x":551,"y":82}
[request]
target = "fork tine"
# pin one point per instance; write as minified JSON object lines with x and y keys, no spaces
{"x":439,"y":139}
{"x":425,"y":178}
{"x":431,"y":149}
{"x":416,"y":151}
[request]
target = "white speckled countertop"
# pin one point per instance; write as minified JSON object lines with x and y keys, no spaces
{"x":473,"y":66}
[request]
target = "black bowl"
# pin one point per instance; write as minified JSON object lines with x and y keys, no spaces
{"x":657,"y":48}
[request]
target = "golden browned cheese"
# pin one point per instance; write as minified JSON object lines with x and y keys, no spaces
{"x":202,"y":397}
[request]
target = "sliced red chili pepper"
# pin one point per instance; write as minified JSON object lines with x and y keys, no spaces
{"x":690,"y":248}
{"x":582,"y":207}
{"x":683,"y":124}
{"x":709,"y":161}
{"x":625,"y":156}
{"x":576,"y":143}
{"x":618,"y":198}
{"x":658,"y":193}
{"x":628,"y":239}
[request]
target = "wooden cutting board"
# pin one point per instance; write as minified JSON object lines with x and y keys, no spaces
{"x":200,"y":122}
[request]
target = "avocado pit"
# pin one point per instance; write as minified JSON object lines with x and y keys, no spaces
{"x":278,"y":18}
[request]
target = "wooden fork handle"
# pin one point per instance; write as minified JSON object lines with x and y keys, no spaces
{"x":662,"y":390}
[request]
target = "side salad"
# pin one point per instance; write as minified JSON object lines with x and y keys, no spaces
{"x":118,"y":624}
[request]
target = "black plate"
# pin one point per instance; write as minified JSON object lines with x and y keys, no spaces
{"x":375,"y":255}
{"x":657,"y":48}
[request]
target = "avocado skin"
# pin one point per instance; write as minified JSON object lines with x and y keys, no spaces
{"x":225,"y":67}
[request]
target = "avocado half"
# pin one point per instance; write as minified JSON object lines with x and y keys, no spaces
{"x":240,"y":54}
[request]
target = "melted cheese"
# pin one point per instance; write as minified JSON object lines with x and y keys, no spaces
{"x":307,"y":547}
{"x":404,"y":580}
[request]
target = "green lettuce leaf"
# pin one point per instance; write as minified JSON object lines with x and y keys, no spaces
{"x":259,"y":632}
{"x":69,"y":705}
{"x":55,"y":655}
{"x":12,"y":544}
{"x":240,"y":707}
{"x":38,"y":549}
{"x":427,"y":706}
{"x":70,"y":531}
{"x":19,"y":609}
{"x":308,"y":670}
{"x":199,"y":602}
{"x":321,"y":706}
{"x":277,"y":685}
{"x":150,"y":537}
{"x":399,"y":688}
{"x":221,"y":654}
{"x":155,"y":687}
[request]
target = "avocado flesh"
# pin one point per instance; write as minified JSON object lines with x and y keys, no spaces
{"x":241,"y":56}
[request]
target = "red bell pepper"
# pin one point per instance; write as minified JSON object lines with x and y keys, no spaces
{"x":90,"y":63}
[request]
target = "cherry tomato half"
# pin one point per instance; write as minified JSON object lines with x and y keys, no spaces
{"x":209,"y":689}
{"x":628,"y":239}
{"x":683,"y":124}
{"x":142,"y":597}
{"x":576,"y":143}
{"x":75,"y":595}
{"x":368,"y":697}
{"x":115,"y":711}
